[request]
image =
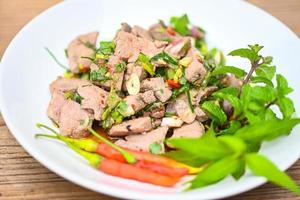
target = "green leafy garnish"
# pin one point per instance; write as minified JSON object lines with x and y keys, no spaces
{"x":99,"y":75}
{"x":229,"y":69}
{"x":146,"y":64}
{"x":215,"y":111}
{"x":106,"y":47}
{"x":180,"y":24}
{"x":155,"y":148}
{"x":165,"y":58}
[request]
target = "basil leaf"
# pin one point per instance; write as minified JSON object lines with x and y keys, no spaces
{"x":245,"y":53}
{"x":209,"y":148}
{"x":215,"y":112}
{"x":282,"y":86}
{"x":215,"y":172}
{"x":234,"y":101}
{"x":266,"y":130}
{"x":262,"y":166}
{"x":260,"y":79}
{"x":286,"y":106}
{"x":229,"y":69}
{"x":266,"y":71}
{"x":180,"y":24}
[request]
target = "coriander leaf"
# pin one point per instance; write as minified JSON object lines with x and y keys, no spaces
{"x":286,"y":106}
{"x":262,"y":166}
{"x":155,"y":148}
{"x":229,"y":69}
{"x":215,"y":172}
{"x":245,"y":53}
{"x":180,"y":24}
{"x":240,"y":170}
{"x":215,"y":112}
{"x":234,"y":102}
{"x":266,"y":130}
{"x":282,"y":86}
{"x":266,"y":71}
{"x":99,"y":75}
{"x":120,"y":67}
{"x":186,"y":158}
{"x":260,"y":79}
{"x":209,"y":148}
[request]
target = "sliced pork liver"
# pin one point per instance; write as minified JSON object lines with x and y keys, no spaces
{"x":179,"y":47}
{"x":136,"y":101}
{"x":78,"y":49}
{"x":158,"y":85}
{"x":183,"y":109}
{"x":193,"y":130}
{"x":94,"y":98}
{"x":65,"y":84}
{"x":143,"y":141}
{"x":140,"y":32}
{"x":55,"y":105}
{"x":134,"y":126}
{"x":74,"y":121}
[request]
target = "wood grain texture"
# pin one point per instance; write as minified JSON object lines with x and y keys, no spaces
{"x":22,"y":177}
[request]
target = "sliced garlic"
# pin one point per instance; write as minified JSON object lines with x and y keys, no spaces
{"x":173,"y":121}
{"x":133,"y":84}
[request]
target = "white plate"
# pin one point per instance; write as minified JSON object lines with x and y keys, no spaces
{"x":27,"y":70}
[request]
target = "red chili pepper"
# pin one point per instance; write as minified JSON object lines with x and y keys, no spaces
{"x":173,"y":84}
{"x":171,"y":31}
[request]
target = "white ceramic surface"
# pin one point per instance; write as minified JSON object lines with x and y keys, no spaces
{"x":26,"y":71}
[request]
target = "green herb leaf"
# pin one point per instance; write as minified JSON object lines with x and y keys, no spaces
{"x":209,"y":148}
{"x":245,"y":96}
{"x":286,"y":106}
{"x":186,"y":157}
{"x":145,"y":62}
{"x":262,"y":166}
{"x":260,"y":79}
{"x":240,"y":170}
{"x":155,"y":148}
{"x":234,"y":126}
{"x":266,"y":71}
{"x":234,"y":102}
{"x":245,"y":53}
{"x":120,"y":67}
{"x":263,"y":94}
{"x":215,"y":112}
{"x":229,"y":69}
{"x":107,"y":47}
{"x":99,"y":75}
{"x":180,"y":24}
{"x":266,"y":130}
{"x":164,"y":57}
{"x":228,"y":90}
{"x":215,"y":172}
{"x":282,"y":86}
{"x":237,"y":145}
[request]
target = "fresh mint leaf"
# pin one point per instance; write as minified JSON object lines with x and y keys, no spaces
{"x":266,"y":130}
{"x":180,"y":24}
{"x":237,"y":145}
{"x":245,"y":96}
{"x":215,"y":172}
{"x":261,"y":79}
{"x":228,"y":90}
{"x":268,"y":59}
{"x":234,"y":102}
{"x":229,"y":69}
{"x":282,"y":86}
{"x":262,"y":166}
{"x":286,"y":106}
{"x":209,"y":148}
{"x":253,"y":147}
{"x":256,"y":47}
{"x":215,"y":112}
{"x":263,"y":94}
{"x":233,"y":127}
{"x":266,"y":71}
{"x":245,"y":53}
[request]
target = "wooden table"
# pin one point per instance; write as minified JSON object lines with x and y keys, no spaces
{"x":22,"y":177}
